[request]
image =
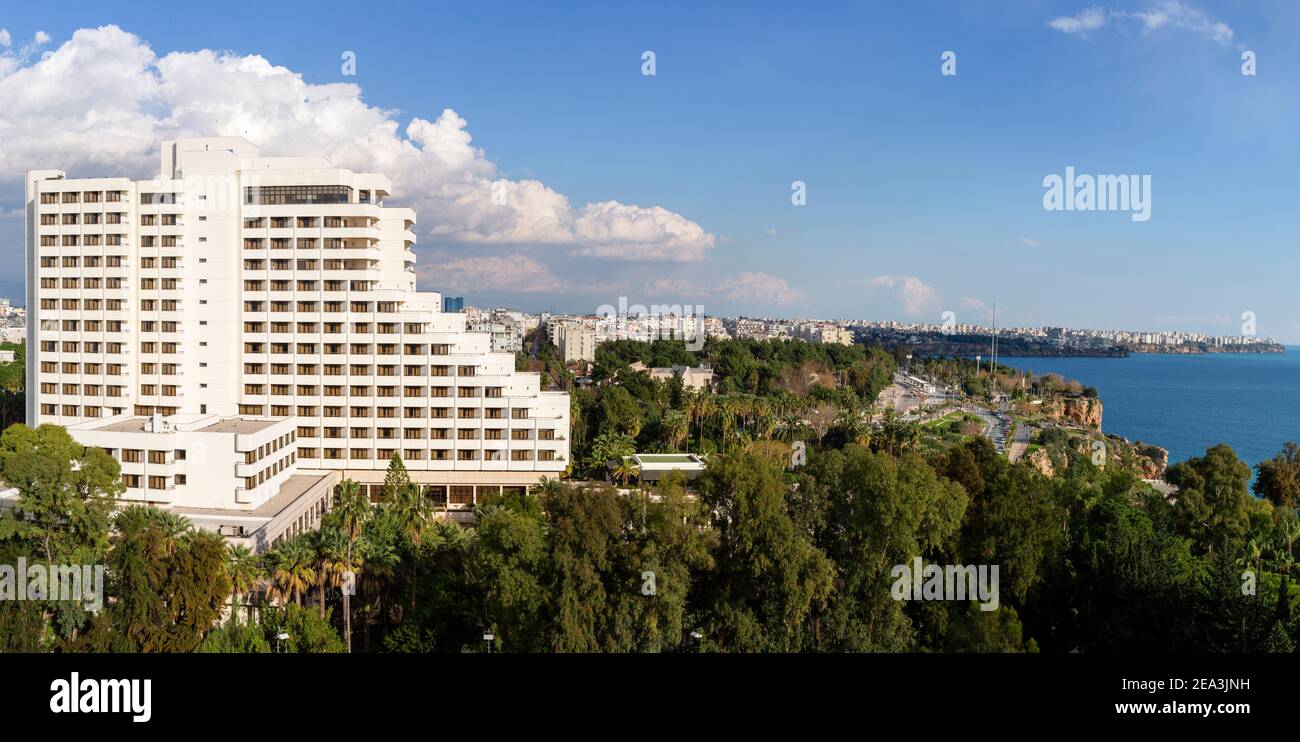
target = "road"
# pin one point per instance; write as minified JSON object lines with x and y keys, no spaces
{"x":996,"y":426}
{"x":1020,"y":443}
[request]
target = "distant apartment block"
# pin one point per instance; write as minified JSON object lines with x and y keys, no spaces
{"x":281,"y":289}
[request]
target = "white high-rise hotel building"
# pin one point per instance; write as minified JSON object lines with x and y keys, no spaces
{"x":271,"y":289}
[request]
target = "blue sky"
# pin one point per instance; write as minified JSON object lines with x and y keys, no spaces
{"x":924,"y":192}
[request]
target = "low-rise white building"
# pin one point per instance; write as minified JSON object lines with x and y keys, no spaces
{"x":237,"y":476}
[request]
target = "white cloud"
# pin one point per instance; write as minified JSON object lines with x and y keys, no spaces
{"x":1029,"y":242}
{"x":658,"y":289}
{"x":1080,"y":24}
{"x":100,"y":104}
{"x":10,"y":58}
{"x":760,"y":287}
{"x":982,"y":310}
{"x":1168,"y":14}
{"x":917,"y":298}
{"x":748,"y":287}
{"x":516,"y":273}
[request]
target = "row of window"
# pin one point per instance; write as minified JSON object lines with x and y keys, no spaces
{"x":84,"y":197}
{"x":138,"y":455}
{"x":282,"y":285}
{"x":86,"y":261}
{"x":361,"y":390}
{"x":307,"y":222}
{"x":87,"y":240}
{"x":438,"y":434}
{"x":365,"y":349}
{"x":410,"y":413}
{"x":270,"y":447}
{"x":72,"y":410}
{"x":304,"y":264}
{"x":101,"y":283}
{"x":269,"y":472}
{"x":76,"y":346}
{"x":76,"y":217}
{"x":153,"y":482}
{"x":340,"y":328}
{"x":417,"y":454}
{"x":307,"y":243}
{"x":331,"y":307}
{"x":88,"y":305}
{"x":354,"y":369}
{"x":91,"y":369}
{"x":88,"y":390}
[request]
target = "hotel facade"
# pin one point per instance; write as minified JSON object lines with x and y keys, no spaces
{"x":268,"y":294}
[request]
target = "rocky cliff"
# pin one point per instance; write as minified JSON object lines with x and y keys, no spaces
{"x":1084,"y":412}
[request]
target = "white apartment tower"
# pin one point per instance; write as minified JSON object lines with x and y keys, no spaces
{"x":273,"y":288}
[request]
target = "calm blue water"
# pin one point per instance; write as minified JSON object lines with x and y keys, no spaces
{"x":1189,"y":403}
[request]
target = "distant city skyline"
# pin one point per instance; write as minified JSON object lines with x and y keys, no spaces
{"x":549,"y":172}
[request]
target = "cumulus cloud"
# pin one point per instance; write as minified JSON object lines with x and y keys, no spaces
{"x":101,"y":102}
{"x":515,"y":273}
{"x":761,"y":287}
{"x":917,"y":298}
{"x":1169,"y":14}
{"x":978,"y":307}
{"x":748,"y":287}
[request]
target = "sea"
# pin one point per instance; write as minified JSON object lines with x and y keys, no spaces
{"x":1187,"y":403}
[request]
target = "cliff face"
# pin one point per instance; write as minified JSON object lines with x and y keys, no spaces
{"x":1154,"y":460}
{"x":1082,"y":411}
{"x":1041,"y":460}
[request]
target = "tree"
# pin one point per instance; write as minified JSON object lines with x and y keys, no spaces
{"x":169,"y":587}
{"x":1279,"y":477}
{"x":1212,"y":506}
{"x":768,"y":577}
{"x":65,"y":492}
{"x":412,"y":512}
{"x":510,"y":560}
{"x":396,"y":478}
{"x":625,"y":470}
{"x":675,"y":428}
{"x":621,"y":411}
{"x":290,"y":565}
{"x":245,"y":572}
{"x":351,"y":510}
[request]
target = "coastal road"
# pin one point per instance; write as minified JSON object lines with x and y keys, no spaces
{"x":1020,"y":442}
{"x":995,"y":426}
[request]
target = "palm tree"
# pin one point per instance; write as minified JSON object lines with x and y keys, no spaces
{"x":548,"y":486}
{"x":625,"y":470}
{"x":333,"y":560}
{"x":352,"y":510}
{"x":245,"y":571}
{"x":291,"y":569}
{"x":675,"y":428}
{"x":704,"y":408}
{"x":413,"y":513}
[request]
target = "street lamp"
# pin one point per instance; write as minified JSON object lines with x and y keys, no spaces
{"x":279,"y":638}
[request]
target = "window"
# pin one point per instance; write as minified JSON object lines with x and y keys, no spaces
{"x":290,"y":195}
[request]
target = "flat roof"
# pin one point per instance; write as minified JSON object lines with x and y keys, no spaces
{"x":665,"y":458}
{"x":180,"y":423}
{"x":239,"y":425}
{"x":290,"y":491}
